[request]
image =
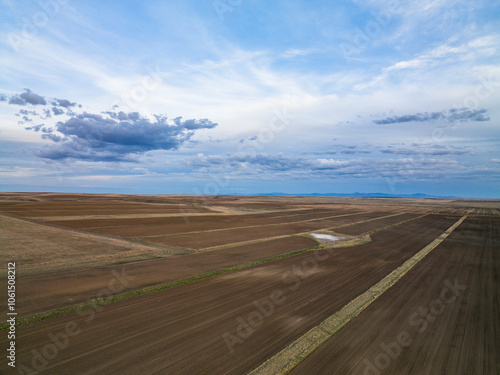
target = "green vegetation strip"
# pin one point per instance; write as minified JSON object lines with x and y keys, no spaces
{"x":288,"y":358}
{"x":148,"y":290}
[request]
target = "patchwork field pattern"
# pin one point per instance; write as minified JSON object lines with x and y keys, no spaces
{"x":122,"y":284}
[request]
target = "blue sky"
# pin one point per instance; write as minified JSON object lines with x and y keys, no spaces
{"x":245,"y":97}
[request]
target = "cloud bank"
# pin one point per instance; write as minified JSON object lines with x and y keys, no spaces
{"x":283,"y":166}
{"x":452,"y":115}
{"x":106,"y":136}
{"x":27,"y":97}
{"x":96,"y":137}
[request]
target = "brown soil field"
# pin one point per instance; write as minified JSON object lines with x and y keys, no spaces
{"x":357,"y":229}
{"x":75,"y":208}
{"x":182,"y":330}
{"x":57,"y":290}
{"x":423,"y":326}
{"x":40,"y":248}
{"x":162,"y":220}
{"x":218,"y":223}
{"x":62,"y":260}
{"x":209,"y":239}
{"x":47,"y":205}
{"x":139,"y":220}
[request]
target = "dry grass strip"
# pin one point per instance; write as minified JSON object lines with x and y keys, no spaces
{"x":122,"y":216}
{"x":367,"y":221}
{"x":145,"y":216}
{"x":393,"y":225}
{"x":288,"y":358}
{"x":254,"y":226}
{"x":249,"y":242}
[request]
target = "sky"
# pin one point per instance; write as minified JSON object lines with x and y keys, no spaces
{"x":251,"y":97}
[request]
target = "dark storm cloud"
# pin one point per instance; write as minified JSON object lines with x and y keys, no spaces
{"x":328,"y":152}
{"x":35,"y":128}
{"x":242,"y":162}
{"x":57,"y":111}
{"x":52,"y":137}
{"x":89,"y":136}
{"x":273,"y":165}
{"x":464,"y":114}
{"x":424,"y":149}
{"x":62,"y":103}
{"x":193,"y":124}
{"x":108,"y":136}
{"x":341,"y":149}
{"x":272,"y":162}
{"x":453,"y":115}
{"x":27,"y":113}
{"x":27,"y":97}
{"x":122,"y":116}
{"x":352,"y":152}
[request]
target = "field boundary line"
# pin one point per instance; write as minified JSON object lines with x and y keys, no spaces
{"x":169,"y":250}
{"x":392,"y":225}
{"x":249,"y":242}
{"x":145,"y":216}
{"x":131,"y":225}
{"x":288,"y":358}
{"x":367,"y":221}
{"x":33,"y":318}
{"x":120,"y":216}
{"x":250,"y":226}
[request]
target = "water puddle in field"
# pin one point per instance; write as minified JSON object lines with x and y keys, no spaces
{"x":326,"y":237}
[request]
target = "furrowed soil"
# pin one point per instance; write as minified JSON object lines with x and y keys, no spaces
{"x":38,"y":248}
{"x":218,"y":238}
{"x":45,"y":292}
{"x":357,"y":229}
{"x":63,"y":208}
{"x":188,"y":219}
{"x":422,"y":325}
{"x":185,"y":330}
{"x":138,"y":229}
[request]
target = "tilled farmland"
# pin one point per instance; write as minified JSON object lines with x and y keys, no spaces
{"x":225,"y":284}
{"x":441,"y":318}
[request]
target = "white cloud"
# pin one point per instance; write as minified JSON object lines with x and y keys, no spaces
{"x":409,"y":64}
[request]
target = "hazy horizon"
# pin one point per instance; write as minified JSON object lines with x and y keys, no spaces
{"x":251,"y":97}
